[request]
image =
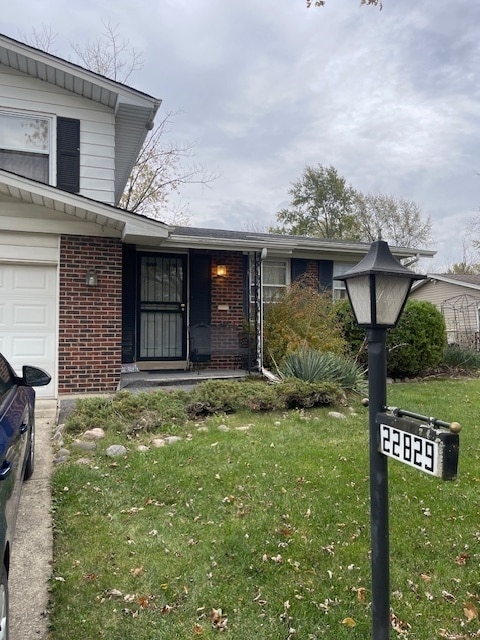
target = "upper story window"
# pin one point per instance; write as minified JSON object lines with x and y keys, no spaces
{"x":41,"y":148}
{"x":25,"y":145}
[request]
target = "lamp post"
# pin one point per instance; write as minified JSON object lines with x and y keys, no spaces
{"x":378,"y":287}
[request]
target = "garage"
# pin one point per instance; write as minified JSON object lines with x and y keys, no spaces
{"x":28,"y":313}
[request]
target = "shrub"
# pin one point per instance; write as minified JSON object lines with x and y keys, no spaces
{"x":216,"y":396}
{"x":298,"y":394}
{"x":311,"y":366}
{"x":415,"y":345}
{"x":300,"y":317}
{"x":418,"y":342}
{"x":455,"y":356}
{"x":353,"y":334}
{"x":129,"y":412}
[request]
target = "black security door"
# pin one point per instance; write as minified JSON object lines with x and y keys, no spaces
{"x":162,"y":322}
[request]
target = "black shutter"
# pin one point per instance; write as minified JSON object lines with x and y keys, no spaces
{"x":298,"y":268}
{"x":200,"y":308}
{"x":68,"y":154}
{"x":129,"y":299}
{"x":325,"y":274}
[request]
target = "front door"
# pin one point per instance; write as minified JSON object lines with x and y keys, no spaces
{"x":162,"y":307}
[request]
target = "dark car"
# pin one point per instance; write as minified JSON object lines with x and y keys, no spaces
{"x":17,"y":445}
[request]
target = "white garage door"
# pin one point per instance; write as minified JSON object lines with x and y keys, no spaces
{"x":28,"y":318}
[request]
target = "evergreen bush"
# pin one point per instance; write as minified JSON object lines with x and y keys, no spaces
{"x":415,"y":345}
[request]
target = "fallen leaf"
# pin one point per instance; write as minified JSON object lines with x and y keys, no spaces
{"x":137,"y":571}
{"x":448,"y":596}
{"x":349,"y":622}
{"x":462,"y":558}
{"x":219,"y":621}
{"x":470,"y":611}
{"x":398,"y":625}
{"x":361,"y":591}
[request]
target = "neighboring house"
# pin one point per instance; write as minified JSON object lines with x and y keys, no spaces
{"x":457,"y":296}
{"x":89,"y":290}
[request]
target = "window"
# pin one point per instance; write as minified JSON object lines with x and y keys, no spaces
{"x":276,"y":278}
{"x":338,"y":286}
{"x":32,"y":146}
{"x":25,"y":145}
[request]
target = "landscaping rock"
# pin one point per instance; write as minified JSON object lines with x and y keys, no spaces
{"x":223,"y":427}
{"x":158,"y":442}
{"x":172,"y":439}
{"x":116,"y":450}
{"x":337,"y":415}
{"x":84,"y":446}
{"x":94,"y":434}
{"x":142,"y":448}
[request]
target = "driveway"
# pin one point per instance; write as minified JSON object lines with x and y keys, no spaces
{"x":32,"y":546}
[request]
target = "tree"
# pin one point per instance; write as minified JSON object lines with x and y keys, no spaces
{"x":400,"y":221}
{"x":159,"y":171}
{"x":322,"y":205}
{"x":321,"y":3}
{"x":161,"y":168}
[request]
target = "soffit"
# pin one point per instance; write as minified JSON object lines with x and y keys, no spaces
{"x":127,"y":225}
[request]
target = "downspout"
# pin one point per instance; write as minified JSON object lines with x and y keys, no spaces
{"x":265,"y":372}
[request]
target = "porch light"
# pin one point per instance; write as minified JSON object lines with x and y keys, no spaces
{"x":91,"y":279}
{"x":221,"y":270}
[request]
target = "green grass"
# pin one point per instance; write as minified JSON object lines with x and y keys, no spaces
{"x":268,"y":524}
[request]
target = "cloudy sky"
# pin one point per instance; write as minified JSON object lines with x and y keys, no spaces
{"x":389,"y":98}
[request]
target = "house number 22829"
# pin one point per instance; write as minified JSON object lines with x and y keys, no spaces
{"x":409,"y":448}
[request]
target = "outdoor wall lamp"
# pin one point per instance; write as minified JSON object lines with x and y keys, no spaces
{"x":378,"y":287}
{"x":91,"y":278}
{"x":221,"y":270}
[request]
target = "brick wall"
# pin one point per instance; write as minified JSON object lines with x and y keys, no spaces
{"x":227,"y":311}
{"x":90,"y":323}
{"x":311,"y":274}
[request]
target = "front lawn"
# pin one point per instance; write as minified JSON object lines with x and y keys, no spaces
{"x":256,"y":526}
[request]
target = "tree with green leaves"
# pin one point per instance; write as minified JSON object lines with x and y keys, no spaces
{"x":400,"y":221}
{"x":321,"y":3}
{"x":322,"y":206}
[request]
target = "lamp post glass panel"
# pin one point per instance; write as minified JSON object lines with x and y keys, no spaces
{"x":378,"y":287}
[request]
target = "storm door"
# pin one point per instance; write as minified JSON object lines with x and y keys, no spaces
{"x":162,"y":307}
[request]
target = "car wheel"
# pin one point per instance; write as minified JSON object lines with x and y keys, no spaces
{"x":4,"y":604}
{"x":30,"y":463}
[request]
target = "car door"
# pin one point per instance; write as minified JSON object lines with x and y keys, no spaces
{"x":15,"y":419}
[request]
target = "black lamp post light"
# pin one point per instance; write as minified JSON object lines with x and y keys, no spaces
{"x":378,"y":288}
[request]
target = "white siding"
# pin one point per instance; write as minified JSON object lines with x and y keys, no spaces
{"x":97,"y":127}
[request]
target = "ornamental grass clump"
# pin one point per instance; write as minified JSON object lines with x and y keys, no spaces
{"x":311,"y":366}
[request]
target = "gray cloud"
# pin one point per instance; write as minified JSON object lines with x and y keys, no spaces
{"x":389,"y":98}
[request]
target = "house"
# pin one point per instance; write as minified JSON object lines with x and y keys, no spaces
{"x":457,"y":296}
{"x":89,"y":290}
